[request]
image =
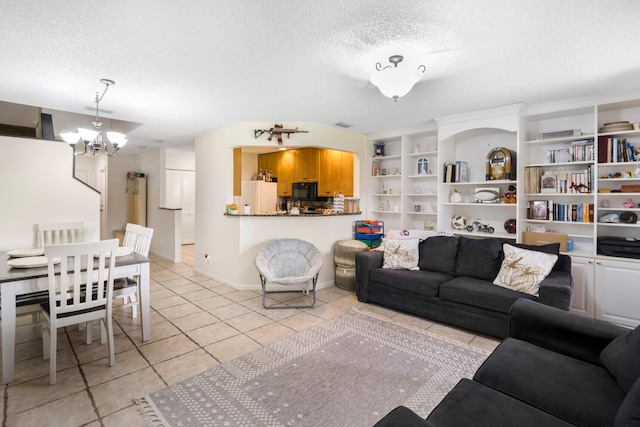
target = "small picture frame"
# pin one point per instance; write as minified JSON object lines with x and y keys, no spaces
{"x":422,"y":166}
{"x":539,"y":209}
{"x":548,"y":183}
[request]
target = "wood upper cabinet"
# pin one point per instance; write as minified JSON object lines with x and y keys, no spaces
{"x":285,"y":172}
{"x":305,"y":164}
{"x":332,"y":169}
{"x":336,"y":173}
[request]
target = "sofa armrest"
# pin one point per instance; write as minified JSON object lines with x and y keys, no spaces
{"x":366,"y":261}
{"x":556,"y":290}
{"x":560,"y":331}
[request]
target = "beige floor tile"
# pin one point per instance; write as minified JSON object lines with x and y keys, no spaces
{"x":212,"y":333}
{"x":412,"y":321}
{"x":35,"y":367}
{"x":129,"y":417}
{"x":347,"y":301}
{"x":161,"y":293}
{"x":211,"y":303}
{"x":171,"y":301}
{"x":178,"y":311}
{"x":179,"y":283}
{"x":168,"y":348}
{"x":378,"y":310}
{"x":249,"y":321}
{"x":232,"y":348}
{"x":198,"y":295}
{"x":194,"y":321}
{"x":301,"y":321}
{"x":278,"y":314}
{"x":271,"y":333}
{"x":160,"y":331}
{"x":485,"y":343}
{"x":185,"y":366}
{"x":327,"y":311}
{"x":118,"y":394}
{"x":330,"y":294}
{"x":99,"y":371}
{"x":238,"y":296}
{"x":451,"y":332}
{"x":73,"y":410}
{"x":229,"y":311}
{"x":38,"y":392}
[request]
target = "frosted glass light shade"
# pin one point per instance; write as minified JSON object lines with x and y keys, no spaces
{"x":70,"y":138}
{"x":117,"y":138}
{"x":87,"y":134}
{"x":396,"y":82}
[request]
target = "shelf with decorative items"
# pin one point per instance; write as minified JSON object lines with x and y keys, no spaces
{"x":403,"y":176}
{"x":477,"y":154}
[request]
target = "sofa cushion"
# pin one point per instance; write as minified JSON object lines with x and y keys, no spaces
{"x":401,"y":254}
{"x":522,"y":270}
{"x":480,"y":293}
{"x":402,"y":416}
{"x":479,"y":258}
{"x":439,"y":253}
{"x":549,"y":248}
{"x":472,"y":403}
{"x":622,"y":358}
{"x":580,"y":393}
{"x":629,"y":412}
{"x":418,"y":282}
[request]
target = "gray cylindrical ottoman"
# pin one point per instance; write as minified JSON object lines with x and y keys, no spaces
{"x":345,"y":259}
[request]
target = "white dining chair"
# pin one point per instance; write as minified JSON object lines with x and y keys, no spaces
{"x":138,"y":238}
{"x":56,"y":233}
{"x":87,"y":291}
{"x":47,"y":234}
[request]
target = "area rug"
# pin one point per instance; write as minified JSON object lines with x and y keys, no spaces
{"x":348,"y":371}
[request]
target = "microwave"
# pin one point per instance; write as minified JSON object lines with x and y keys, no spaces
{"x":304,"y":191}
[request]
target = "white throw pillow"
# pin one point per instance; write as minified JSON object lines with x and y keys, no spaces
{"x":401,"y":254}
{"x":522,"y":270}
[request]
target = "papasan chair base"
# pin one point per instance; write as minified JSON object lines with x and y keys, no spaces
{"x":263,"y":280}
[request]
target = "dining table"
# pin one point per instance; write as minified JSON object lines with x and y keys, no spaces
{"x":23,"y":281}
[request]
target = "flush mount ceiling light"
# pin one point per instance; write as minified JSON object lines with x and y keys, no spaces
{"x":394,"y":81}
{"x":92,"y":138}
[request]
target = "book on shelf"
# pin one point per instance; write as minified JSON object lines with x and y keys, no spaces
{"x":461,"y":171}
{"x":613,"y":150}
{"x":571,"y":212}
{"x":449,"y":172}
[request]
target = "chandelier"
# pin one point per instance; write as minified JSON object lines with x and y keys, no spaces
{"x":394,"y":81}
{"x":92,"y":140}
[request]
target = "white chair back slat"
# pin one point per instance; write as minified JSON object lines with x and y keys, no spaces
{"x":59,"y":233}
{"x":139,"y":238}
{"x":83,"y":285}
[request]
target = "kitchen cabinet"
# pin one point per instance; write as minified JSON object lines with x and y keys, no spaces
{"x":336,"y":173}
{"x":269,"y":161}
{"x":285,"y":172}
{"x":305,"y":164}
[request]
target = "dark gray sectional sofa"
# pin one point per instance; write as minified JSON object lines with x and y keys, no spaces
{"x":554,"y":369}
{"x":455,"y":283}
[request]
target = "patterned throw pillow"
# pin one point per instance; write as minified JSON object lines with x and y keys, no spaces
{"x":522,"y":270}
{"x":401,"y":254}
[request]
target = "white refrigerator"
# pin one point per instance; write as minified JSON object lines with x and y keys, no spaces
{"x":261,"y":196}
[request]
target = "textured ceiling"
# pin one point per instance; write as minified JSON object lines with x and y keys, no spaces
{"x":183,"y":68}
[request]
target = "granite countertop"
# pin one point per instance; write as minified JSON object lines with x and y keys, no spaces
{"x":289,"y":216}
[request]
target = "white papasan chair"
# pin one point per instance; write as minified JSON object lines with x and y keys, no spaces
{"x":289,"y":262}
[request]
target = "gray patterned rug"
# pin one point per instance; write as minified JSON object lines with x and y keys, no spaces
{"x":349,"y":371}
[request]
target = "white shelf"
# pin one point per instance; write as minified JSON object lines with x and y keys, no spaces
{"x":559,"y":194}
{"x":386,"y":212}
{"x":491,"y":205}
{"x":415,"y":195}
{"x":493,"y":182}
{"x":387,"y":195}
{"x":395,"y":156}
{"x":559,"y":165}
{"x":423,"y":154}
{"x":561,"y":140}
{"x":422,"y":213}
{"x":422,"y":176}
{"x":387,"y":176}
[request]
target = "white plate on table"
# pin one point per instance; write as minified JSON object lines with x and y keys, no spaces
{"x":121,"y":251}
{"x":28,"y":252}
{"x":31,"y":262}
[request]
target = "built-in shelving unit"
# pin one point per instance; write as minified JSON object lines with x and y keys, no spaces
{"x":402,"y":194}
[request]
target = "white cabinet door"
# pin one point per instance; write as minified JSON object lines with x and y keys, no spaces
{"x":582,"y":271}
{"x":617,"y":292}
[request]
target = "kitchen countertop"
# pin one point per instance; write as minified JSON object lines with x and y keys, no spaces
{"x":289,"y":216}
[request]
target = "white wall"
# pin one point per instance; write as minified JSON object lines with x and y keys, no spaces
{"x":219,"y":236}
{"x":36,"y":186}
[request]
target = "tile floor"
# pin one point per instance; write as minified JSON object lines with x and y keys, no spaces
{"x":196,"y":324}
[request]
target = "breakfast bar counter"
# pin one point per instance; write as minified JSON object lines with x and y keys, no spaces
{"x":230,"y":257}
